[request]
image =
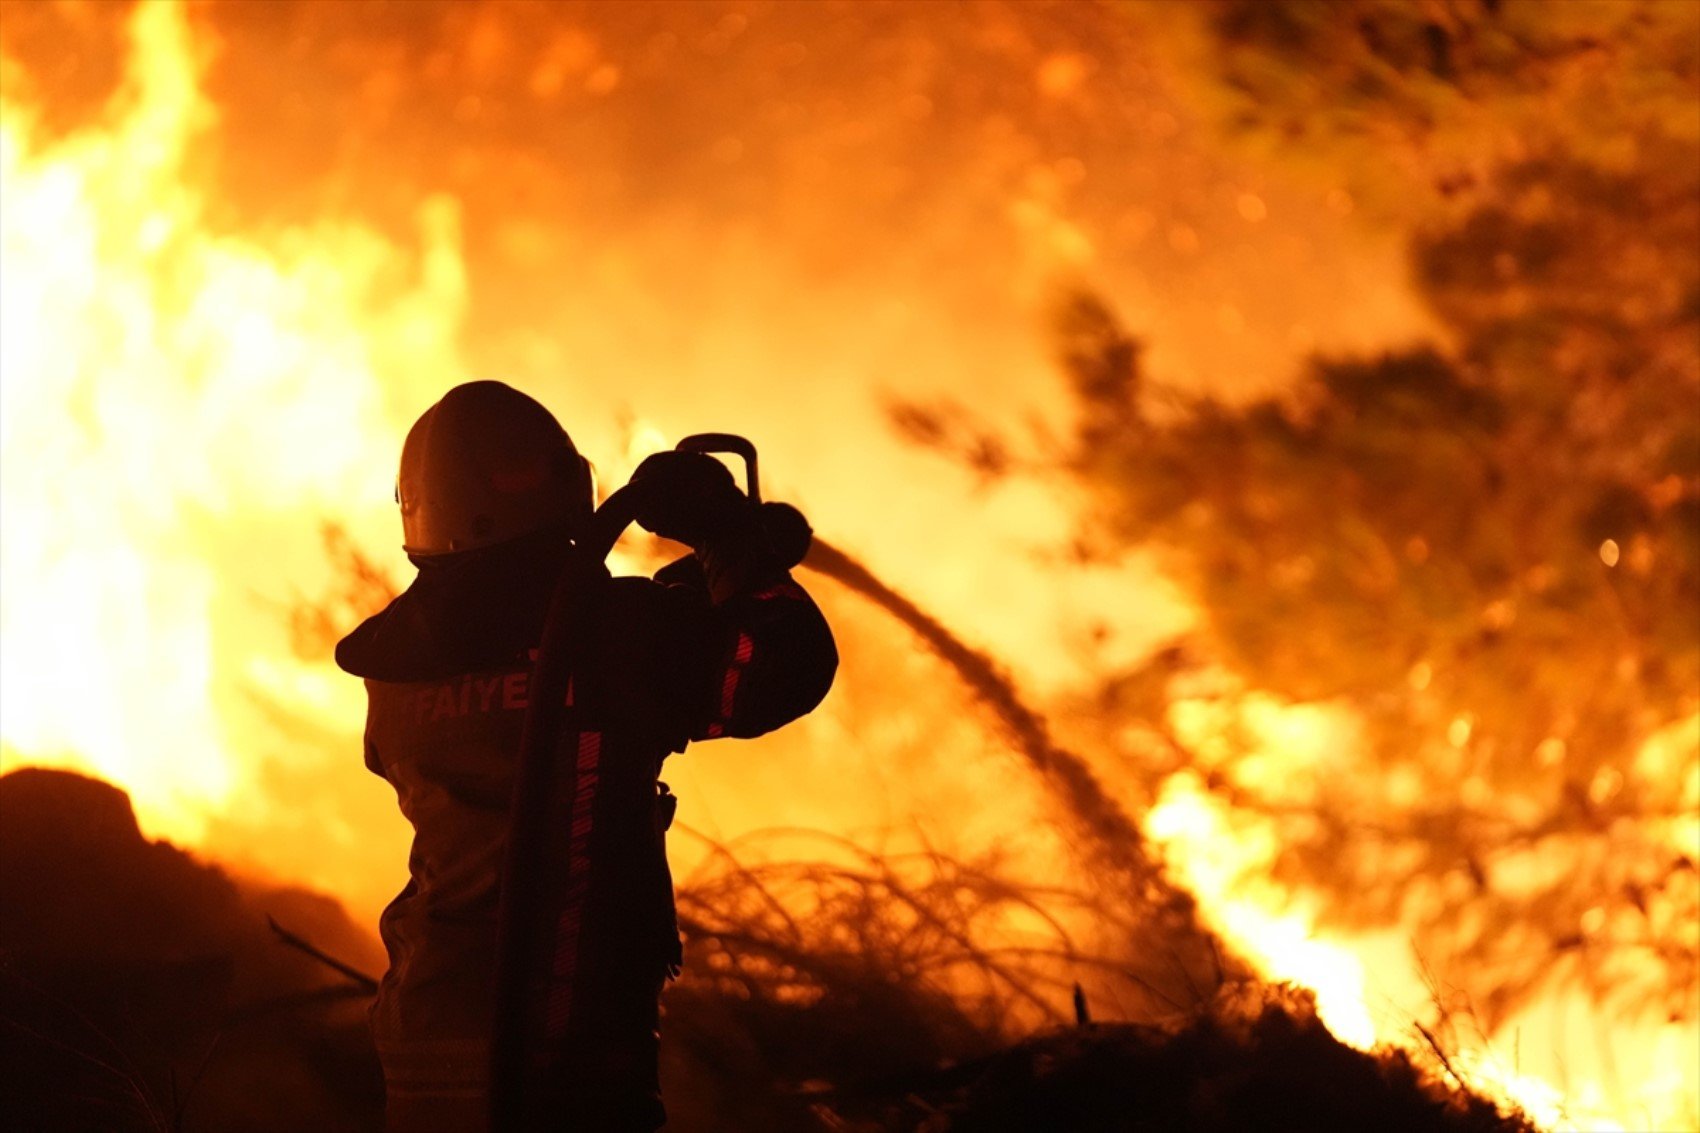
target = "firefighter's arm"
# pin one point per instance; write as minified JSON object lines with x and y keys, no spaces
{"x":761,"y":654}
{"x":770,"y":658}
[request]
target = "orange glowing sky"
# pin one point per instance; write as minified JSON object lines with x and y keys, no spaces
{"x":762,"y":217}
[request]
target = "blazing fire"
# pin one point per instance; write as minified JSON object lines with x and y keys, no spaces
{"x":175,"y":401}
{"x":1371,"y":990}
{"x":184,"y":404}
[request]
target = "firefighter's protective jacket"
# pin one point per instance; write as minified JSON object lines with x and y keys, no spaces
{"x":720,"y":644}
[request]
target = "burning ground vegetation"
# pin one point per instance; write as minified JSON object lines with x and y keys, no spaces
{"x":143,"y":989}
{"x":1266,"y":434}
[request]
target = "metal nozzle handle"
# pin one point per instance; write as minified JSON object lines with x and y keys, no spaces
{"x":732,"y":443}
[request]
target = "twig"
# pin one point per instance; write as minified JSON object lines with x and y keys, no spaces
{"x":1111,"y":836}
{"x":128,"y":1074}
{"x":361,"y":978}
{"x":1434,"y":1045}
{"x":180,"y":1105}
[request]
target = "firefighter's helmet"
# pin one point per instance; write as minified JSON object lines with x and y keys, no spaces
{"x":484,"y":465}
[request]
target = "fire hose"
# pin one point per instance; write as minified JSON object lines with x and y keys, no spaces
{"x":524,"y":866}
{"x":1105,"y":829}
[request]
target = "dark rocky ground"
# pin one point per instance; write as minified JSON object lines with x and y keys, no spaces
{"x":142,"y":989}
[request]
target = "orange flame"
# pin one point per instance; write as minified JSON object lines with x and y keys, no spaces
{"x":177,"y":405}
{"x":1371,"y":990}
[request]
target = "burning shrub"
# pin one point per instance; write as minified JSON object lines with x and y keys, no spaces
{"x":1474,"y":557}
{"x":141,"y":990}
{"x":1258,"y":1059}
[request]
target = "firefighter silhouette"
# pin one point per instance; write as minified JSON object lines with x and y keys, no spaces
{"x":496,"y":509}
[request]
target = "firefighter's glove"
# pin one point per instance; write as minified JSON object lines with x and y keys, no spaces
{"x":788,"y":533}
{"x":689,"y":497}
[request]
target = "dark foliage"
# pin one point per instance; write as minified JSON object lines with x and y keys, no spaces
{"x":1262,"y":1064}
{"x":1482,"y":550}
